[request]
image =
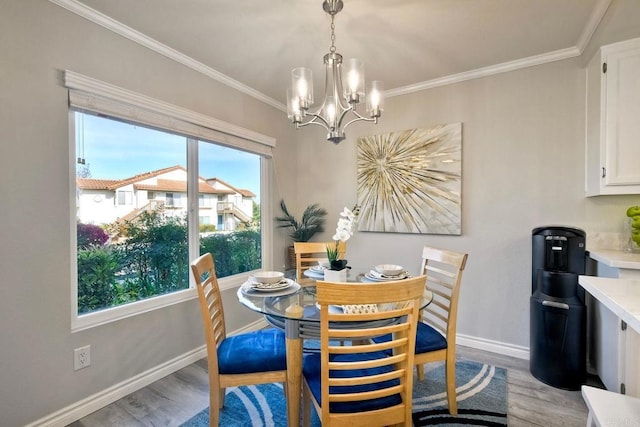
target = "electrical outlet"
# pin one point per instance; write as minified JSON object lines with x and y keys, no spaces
{"x":81,"y":357}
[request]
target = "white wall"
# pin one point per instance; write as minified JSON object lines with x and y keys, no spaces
{"x":37,"y":41}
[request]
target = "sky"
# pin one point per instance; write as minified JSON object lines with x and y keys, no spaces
{"x":116,"y":150}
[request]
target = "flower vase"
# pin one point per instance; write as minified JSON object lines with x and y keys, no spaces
{"x":335,"y":275}
{"x":633,"y":245}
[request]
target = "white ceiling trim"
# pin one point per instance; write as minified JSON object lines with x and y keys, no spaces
{"x":594,"y":20}
{"x":486,"y":71}
{"x":146,"y":41}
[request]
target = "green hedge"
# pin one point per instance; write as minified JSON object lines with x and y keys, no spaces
{"x":153,"y":260}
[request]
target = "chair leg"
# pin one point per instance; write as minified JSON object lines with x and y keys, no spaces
{"x":215,"y":403}
{"x":306,"y":407}
{"x":451,"y":385}
{"x":420,"y":370}
{"x":223,"y":393}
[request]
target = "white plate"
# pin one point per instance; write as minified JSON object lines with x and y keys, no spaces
{"x":335,"y":309}
{"x":377,"y":277}
{"x":270,"y":287}
{"x":317,"y":269}
{"x":314,"y":274}
{"x":249,"y":290}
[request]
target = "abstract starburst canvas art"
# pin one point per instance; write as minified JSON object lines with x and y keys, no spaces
{"x":410,"y":181}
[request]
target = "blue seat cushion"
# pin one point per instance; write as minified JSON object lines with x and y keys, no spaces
{"x":311,"y":371}
{"x":258,"y":351}
{"x":427,"y":339}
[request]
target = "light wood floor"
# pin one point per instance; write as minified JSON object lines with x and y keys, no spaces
{"x":177,"y":397}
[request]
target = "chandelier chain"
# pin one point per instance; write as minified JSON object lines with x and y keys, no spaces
{"x":332,"y":49}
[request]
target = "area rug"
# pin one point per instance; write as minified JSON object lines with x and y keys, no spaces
{"x":481,"y":390}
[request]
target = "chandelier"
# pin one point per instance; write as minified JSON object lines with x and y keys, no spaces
{"x":339,"y":101}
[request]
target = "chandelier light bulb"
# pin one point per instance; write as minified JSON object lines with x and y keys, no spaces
{"x":294,"y":112}
{"x":375,"y":99}
{"x":355,"y":80}
{"x":302,"y":86}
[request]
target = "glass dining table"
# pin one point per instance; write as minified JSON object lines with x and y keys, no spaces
{"x":294,"y":310}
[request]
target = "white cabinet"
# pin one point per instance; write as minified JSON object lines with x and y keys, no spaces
{"x":613,"y":127}
{"x":613,"y":320}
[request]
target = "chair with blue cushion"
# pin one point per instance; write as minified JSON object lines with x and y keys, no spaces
{"x":436,"y":336}
{"x":436,"y":340}
{"x":252,"y":358}
{"x":364,"y":383}
{"x":308,"y":254}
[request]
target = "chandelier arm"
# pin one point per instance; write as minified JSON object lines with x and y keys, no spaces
{"x":360,"y":118}
{"x":343,"y":114}
{"x":315,"y":123}
{"x":316,"y":120}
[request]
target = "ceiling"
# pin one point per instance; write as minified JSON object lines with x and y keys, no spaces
{"x":408,"y":44}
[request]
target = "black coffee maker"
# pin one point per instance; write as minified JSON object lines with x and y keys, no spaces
{"x":558,"y":312}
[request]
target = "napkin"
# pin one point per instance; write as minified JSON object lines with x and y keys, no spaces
{"x":360,"y":308}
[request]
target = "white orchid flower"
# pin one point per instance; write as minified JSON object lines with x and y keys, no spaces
{"x":344,"y":230}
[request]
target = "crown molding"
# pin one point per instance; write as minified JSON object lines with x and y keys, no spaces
{"x":146,"y":41}
{"x":531,"y":61}
{"x":594,"y":20}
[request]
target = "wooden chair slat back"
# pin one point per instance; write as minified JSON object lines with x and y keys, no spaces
{"x":443,"y":269}
{"x":204,"y":273}
{"x":398,"y":311}
{"x":309,"y":253}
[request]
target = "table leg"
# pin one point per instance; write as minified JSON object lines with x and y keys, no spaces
{"x":294,"y":366}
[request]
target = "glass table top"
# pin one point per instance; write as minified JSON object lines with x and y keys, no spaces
{"x":274,"y":305}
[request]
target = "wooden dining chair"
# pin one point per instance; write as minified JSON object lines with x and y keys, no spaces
{"x":363,"y":384}
{"x":436,"y":338}
{"x":436,"y":331}
{"x":251,"y":358}
{"x":309,"y":253}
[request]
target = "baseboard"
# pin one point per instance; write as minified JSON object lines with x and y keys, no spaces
{"x":493,"y":346}
{"x":105,"y":397}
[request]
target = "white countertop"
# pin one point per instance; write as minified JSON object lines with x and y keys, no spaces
{"x":617,"y":259}
{"x":621,"y":296}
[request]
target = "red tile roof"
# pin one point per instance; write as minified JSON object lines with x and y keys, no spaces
{"x":162,"y":184}
{"x":179,"y":186}
{"x":95,"y":184}
{"x":244,"y":192}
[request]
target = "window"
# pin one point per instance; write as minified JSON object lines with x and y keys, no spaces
{"x":124,"y":197}
{"x":205,"y":201}
{"x":169,"y":200}
{"x":142,"y":251}
{"x":132,"y":152}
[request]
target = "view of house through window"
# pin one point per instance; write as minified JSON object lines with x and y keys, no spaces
{"x":132,"y":211}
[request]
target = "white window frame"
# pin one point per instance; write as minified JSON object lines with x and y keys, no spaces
{"x":127,"y":195}
{"x":87,"y":94}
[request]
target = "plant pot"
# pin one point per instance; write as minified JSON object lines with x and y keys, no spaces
{"x":335,"y":275}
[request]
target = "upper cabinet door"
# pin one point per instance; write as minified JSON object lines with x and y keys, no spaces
{"x":622,"y":113}
{"x":613,"y":120}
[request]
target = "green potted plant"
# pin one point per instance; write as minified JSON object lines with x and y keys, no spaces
{"x":312,"y":222}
